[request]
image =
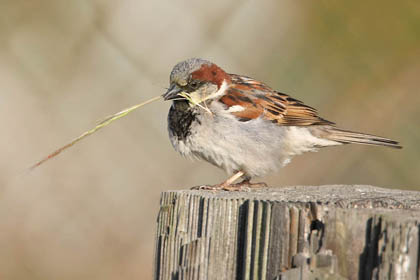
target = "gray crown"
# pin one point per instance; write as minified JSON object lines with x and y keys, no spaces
{"x":180,"y":73}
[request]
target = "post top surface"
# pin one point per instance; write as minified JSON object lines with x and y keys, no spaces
{"x":345,"y":196}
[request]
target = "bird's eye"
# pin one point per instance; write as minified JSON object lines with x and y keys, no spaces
{"x":194,"y":84}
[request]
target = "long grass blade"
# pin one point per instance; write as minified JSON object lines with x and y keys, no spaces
{"x":100,"y":125}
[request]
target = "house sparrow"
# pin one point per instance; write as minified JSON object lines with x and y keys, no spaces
{"x":243,"y":126}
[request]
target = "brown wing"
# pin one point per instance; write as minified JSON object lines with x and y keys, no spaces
{"x":259,"y":100}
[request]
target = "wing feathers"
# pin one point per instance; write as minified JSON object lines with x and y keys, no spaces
{"x":258,"y":100}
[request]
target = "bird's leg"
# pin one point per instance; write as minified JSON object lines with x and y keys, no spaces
{"x":244,"y":185}
{"x":226,"y":185}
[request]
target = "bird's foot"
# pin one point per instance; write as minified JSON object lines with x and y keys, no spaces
{"x":207,"y":187}
{"x":245,"y":185}
{"x":256,"y":185}
{"x":242,"y":186}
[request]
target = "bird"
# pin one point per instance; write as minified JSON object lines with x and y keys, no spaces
{"x":243,"y":126}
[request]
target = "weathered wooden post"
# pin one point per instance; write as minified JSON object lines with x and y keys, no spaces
{"x":322,"y":232}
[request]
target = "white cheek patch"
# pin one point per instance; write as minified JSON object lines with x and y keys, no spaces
{"x":193,"y":98}
{"x":197,"y":97}
{"x":235,"y":108}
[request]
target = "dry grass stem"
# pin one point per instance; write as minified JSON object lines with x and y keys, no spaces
{"x":100,"y":125}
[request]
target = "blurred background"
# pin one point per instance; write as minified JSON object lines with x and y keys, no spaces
{"x":90,"y":213}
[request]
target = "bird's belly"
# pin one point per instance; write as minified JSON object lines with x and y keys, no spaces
{"x":253,"y":146}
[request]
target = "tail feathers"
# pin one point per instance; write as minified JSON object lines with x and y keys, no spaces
{"x":350,"y":137}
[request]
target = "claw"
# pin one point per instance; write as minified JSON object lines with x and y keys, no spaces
{"x":244,"y":186}
{"x":207,"y":187}
{"x":228,"y":185}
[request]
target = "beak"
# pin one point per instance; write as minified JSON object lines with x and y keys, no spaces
{"x":172,"y":92}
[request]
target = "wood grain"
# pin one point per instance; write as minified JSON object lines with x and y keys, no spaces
{"x":304,"y":232}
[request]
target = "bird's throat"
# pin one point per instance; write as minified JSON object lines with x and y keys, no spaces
{"x":181,"y":117}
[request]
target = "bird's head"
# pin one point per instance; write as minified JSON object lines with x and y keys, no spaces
{"x":196,"y":80}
